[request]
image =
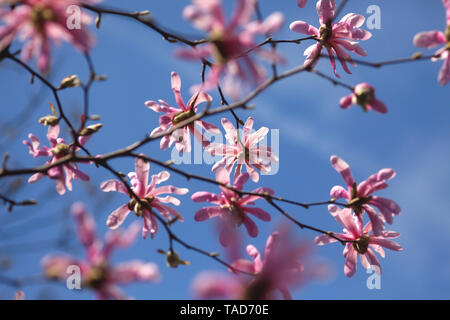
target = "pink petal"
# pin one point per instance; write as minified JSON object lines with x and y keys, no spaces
{"x":244,"y":265}
{"x":116,"y":218}
{"x":386,"y":243}
{"x":346,"y":101}
{"x":350,"y":261}
{"x":176,"y":87}
{"x":257,"y":212}
{"x":325,"y":10}
{"x":204,"y":196}
{"x":208,"y":213}
{"x":379,"y":106}
{"x":254,"y":253}
{"x":251,"y":227}
{"x":444,"y":74}
{"x":375,"y":219}
{"x":343,"y":169}
{"x":338,"y":192}
{"x":85,"y":224}
{"x":429,"y":39}
{"x":142,"y":168}
{"x":134,"y":271}
{"x":113,"y":185}
{"x":303,"y":28}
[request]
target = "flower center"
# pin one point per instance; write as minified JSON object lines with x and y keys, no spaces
{"x":223,"y":48}
{"x":356,"y":202}
{"x":236,"y":213}
{"x":257,"y":289}
{"x":61,"y":149}
{"x":361,"y":244}
{"x":363,"y":96}
{"x":138,"y":207}
{"x":183,"y":115}
{"x":96,"y":276}
{"x":325,"y":33}
{"x":245,"y":153}
{"x":40,"y":14}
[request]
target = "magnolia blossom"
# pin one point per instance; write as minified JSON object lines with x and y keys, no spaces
{"x":363,"y":95}
{"x":334,"y":36}
{"x":229,"y":42}
{"x":361,"y":241}
{"x":173,"y":116}
{"x":96,"y":271}
{"x":232,"y":209}
{"x":149,"y":198}
{"x":38,"y":21}
{"x":244,"y":150}
{"x":279,"y":269}
{"x":360,"y":198}
{"x":431,"y":39}
{"x":62,"y":174}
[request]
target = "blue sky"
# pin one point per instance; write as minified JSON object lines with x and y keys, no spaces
{"x":413,"y":138}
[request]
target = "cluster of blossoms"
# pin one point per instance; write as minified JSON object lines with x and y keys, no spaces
{"x":273,"y":274}
{"x":39,"y":21}
{"x":230,"y":46}
{"x":96,"y":271}
{"x":229,"y":43}
{"x":361,"y":240}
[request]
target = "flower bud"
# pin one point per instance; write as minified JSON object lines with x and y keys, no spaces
{"x":363,"y":95}
{"x":90,"y":129}
{"x":49,"y":120}
{"x":173,"y":259}
{"x":69,"y":82}
{"x":144,"y":13}
{"x":60,"y":150}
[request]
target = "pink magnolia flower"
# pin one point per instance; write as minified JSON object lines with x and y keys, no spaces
{"x":360,"y":198}
{"x":38,"y":21}
{"x":182,"y":136}
{"x":97,"y":273}
{"x":363,"y":95}
{"x":431,"y":39}
{"x":274,"y":273}
{"x":278,"y":270}
{"x":150,"y":198}
{"x":244,"y":150}
{"x":334,"y":36}
{"x":62,"y":174}
{"x":232,"y":209}
{"x":362,"y":242}
{"x":229,"y":42}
